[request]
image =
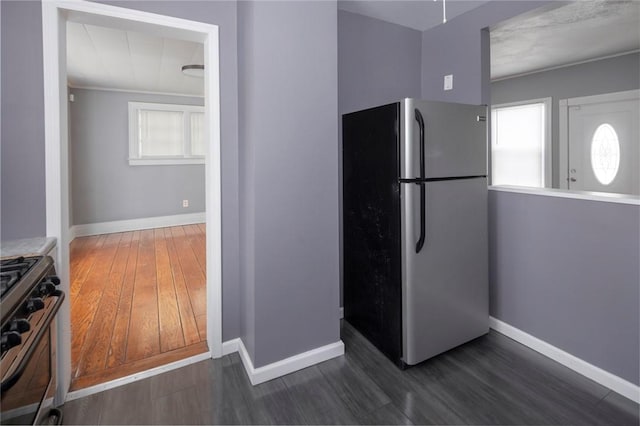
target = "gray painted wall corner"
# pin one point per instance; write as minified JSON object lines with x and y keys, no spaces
{"x":378,"y":62}
{"x":246,"y":187}
{"x":289,"y":166}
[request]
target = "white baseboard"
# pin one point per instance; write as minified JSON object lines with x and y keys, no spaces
{"x":288,"y":365}
{"x":134,"y":224}
{"x":231,"y":346}
{"x":598,"y":375}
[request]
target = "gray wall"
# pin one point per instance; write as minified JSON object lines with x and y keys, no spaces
{"x":23,"y":174}
{"x":541,"y":247}
{"x":290,"y":123}
{"x":593,"y":78}
{"x":247,"y":185}
{"x":378,"y":63}
{"x":566,"y":271}
{"x":104,"y":187}
{"x":459,"y":48}
{"x":22,"y":144}
{"x":287,"y":56}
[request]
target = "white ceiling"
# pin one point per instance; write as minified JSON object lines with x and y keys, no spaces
{"x":574,"y":33}
{"x":417,"y":14}
{"x":107,"y":58}
{"x":100,"y":57}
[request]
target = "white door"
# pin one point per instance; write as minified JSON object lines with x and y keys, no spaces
{"x":604,"y":141}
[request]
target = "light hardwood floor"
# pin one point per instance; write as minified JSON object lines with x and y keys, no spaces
{"x":137,"y":301}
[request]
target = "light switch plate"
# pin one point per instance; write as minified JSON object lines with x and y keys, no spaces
{"x":448,"y":82}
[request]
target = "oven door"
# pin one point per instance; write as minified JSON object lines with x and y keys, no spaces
{"x":28,"y":371}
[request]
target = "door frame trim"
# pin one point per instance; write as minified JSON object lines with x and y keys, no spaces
{"x":563,"y":125}
{"x":55,"y":14}
{"x":81,"y":393}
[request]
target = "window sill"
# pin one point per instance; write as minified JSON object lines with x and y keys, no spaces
{"x":565,"y":193}
{"x":164,"y":161}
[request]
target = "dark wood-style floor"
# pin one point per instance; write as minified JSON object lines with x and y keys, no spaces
{"x":137,"y":301}
{"x":490,"y":381}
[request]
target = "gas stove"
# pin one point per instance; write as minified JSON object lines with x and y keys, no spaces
{"x":18,"y":278}
{"x":11,"y":270}
{"x":29,"y":302}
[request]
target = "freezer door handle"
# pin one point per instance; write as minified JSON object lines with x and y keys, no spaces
{"x":420,"y":121}
{"x":420,"y":242}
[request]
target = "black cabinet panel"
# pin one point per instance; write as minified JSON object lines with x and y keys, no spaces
{"x":371,"y":223}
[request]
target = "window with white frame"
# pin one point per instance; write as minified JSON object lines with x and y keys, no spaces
{"x":166,"y":134}
{"x":521,"y":144}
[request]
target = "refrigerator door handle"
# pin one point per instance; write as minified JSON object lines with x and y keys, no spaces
{"x":420,"y":242}
{"x":420,"y":121}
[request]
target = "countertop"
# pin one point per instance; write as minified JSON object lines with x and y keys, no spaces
{"x":27,"y":247}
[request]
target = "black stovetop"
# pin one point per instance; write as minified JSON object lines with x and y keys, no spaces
{"x":19,"y":276}
{"x":12,"y":270}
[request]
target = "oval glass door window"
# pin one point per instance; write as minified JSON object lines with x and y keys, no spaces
{"x":605,"y":153}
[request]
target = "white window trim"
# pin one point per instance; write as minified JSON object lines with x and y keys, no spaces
{"x":546,"y":148}
{"x":134,"y":148}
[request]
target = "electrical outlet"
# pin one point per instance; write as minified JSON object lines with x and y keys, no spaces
{"x":448,"y":82}
{"x":185,"y":203}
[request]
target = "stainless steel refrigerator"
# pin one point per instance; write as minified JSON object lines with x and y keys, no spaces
{"x":415,"y":226}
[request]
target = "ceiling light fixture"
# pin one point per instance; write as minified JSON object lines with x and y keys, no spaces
{"x":444,"y":11}
{"x":193,"y":70}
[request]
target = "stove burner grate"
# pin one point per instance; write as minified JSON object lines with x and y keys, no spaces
{"x":12,"y":270}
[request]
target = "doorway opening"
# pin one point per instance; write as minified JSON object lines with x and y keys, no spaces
{"x":137,"y":200}
{"x":601,"y":138}
{"x":137,"y":252}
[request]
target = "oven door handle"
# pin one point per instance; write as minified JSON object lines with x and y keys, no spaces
{"x":7,"y":384}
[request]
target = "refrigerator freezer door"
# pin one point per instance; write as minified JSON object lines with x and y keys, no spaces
{"x":455,"y":139}
{"x":445,"y":285}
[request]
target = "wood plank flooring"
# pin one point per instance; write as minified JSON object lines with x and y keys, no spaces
{"x":492,"y":380}
{"x":137,"y":301}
